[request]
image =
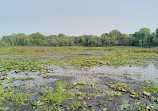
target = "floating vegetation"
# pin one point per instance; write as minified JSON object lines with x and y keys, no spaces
{"x":19,"y":98}
{"x":22,"y":64}
{"x":142,"y":106}
{"x":151,"y":89}
{"x":44,"y":75}
{"x":135,"y":95}
{"x":77,"y":105}
{"x":25,"y":78}
{"x":119,"y":87}
{"x":59,"y":94}
{"x":79,"y":83}
{"x":146,"y":93}
{"x":73,"y":78}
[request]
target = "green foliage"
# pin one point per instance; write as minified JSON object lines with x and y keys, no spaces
{"x":1,"y":93}
{"x":151,"y":88}
{"x":61,"y":85}
{"x":22,"y":63}
{"x":142,"y":36}
{"x":59,"y":94}
{"x":2,"y":44}
{"x":20,"y":98}
{"x":36,"y":39}
{"x":119,"y":87}
{"x":19,"y":39}
{"x":17,"y":91}
{"x":4,"y":109}
{"x":76,"y":105}
{"x":135,"y":95}
{"x":143,"y":107}
{"x":115,"y":38}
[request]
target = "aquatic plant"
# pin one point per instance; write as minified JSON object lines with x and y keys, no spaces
{"x":20,"y":98}
{"x":119,"y":87}
{"x":151,"y":89}
{"x":59,"y":93}
{"x":135,"y":95}
{"x":76,"y":105}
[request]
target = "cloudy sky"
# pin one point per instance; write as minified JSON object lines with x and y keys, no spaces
{"x":76,"y":17}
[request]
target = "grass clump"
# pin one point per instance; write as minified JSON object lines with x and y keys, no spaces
{"x":1,"y":95}
{"x":20,"y":98}
{"x":151,"y":89}
{"x":135,"y":95}
{"x":59,"y":94}
{"x":77,"y":105}
{"x":119,"y":87}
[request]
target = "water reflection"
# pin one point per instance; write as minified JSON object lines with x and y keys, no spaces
{"x":155,"y":64}
{"x":146,"y":73}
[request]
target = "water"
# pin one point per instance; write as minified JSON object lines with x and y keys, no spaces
{"x":147,"y":74}
{"x":122,"y":74}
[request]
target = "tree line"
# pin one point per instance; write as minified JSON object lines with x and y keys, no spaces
{"x":143,"y":37}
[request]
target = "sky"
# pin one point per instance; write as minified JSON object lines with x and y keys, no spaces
{"x":76,"y":17}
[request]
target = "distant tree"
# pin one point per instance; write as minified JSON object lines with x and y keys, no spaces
{"x":77,"y":41}
{"x":123,"y":40}
{"x":105,"y":35}
{"x":71,"y":41}
{"x":89,"y":40}
{"x":131,"y":40}
{"x":36,"y":39}
{"x":2,"y":43}
{"x":142,"y":36}
{"x":155,"y":38}
{"x":156,"y":33}
{"x":50,"y":40}
{"x":61,"y":35}
{"x":19,"y":39}
{"x":150,"y":39}
{"x":115,"y":33}
{"x":116,"y":37}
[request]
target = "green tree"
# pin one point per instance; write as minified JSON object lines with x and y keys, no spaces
{"x":115,"y":33}
{"x":2,"y":43}
{"x":131,"y":40}
{"x":36,"y":39}
{"x":19,"y":39}
{"x":156,"y":33}
{"x":155,"y":38}
{"x":142,"y":36}
{"x":116,"y":37}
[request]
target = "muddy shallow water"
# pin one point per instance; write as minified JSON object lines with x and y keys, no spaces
{"x":95,"y":79}
{"x":132,"y":76}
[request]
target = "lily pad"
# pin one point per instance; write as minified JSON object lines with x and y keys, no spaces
{"x":146,"y":93}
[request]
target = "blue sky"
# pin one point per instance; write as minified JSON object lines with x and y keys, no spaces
{"x":77,"y":17}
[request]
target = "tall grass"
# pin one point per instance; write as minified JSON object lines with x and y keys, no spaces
{"x":70,"y":50}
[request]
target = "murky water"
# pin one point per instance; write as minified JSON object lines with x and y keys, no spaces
{"x":123,"y":74}
{"x":138,"y":73}
{"x":148,"y":74}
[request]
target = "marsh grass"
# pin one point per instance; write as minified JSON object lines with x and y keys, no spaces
{"x":119,"y":87}
{"x":58,"y":94}
{"x":20,"y":98}
{"x":39,"y":50}
{"x":28,"y":50}
{"x":116,"y":56}
{"x":151,"y":89}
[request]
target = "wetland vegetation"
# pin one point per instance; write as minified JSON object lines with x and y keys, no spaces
{"x":78,"y":78}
